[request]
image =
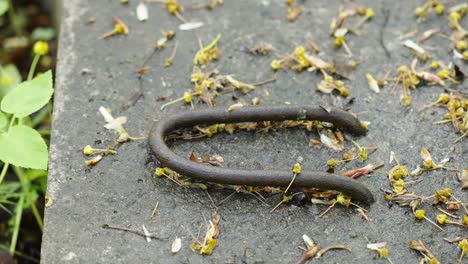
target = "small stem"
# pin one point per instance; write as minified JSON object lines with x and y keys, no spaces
{"x":155,"y":209}
{"x":4,"y":171}
{"x":462,"y":136}
{"x":12,"y":16}
{"x":25,"y":184}
{"x":274,"y":208}
{"x":21,"y":255}
{"x":19,"y":214}
{"x":264,"y":82}
{"x":180,"y":17}
{"x":33,"y":66}
{"x":38,"y":216}
{"x":290,"y":183}
{"x":172,"y":56}
{"x":6,"y":164}
{"x":44,"y":132}
{"x":328,"y":209}
{"x":430,"y":221}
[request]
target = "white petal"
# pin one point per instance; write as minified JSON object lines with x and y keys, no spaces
{"x":377,"y":245}
{"x":142,"y":12}
{"x":190,"y":25}
{"x":116,"y":123}
{"x":106,"y":114}
{"x":308,"y":241}
{"x":412,"y":45}
{"x":147,"y":234}
{"x":176,"y":245}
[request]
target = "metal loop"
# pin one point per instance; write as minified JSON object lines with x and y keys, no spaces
{"x":277,"y":178}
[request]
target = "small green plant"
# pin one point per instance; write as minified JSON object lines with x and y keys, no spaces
{"x":23,"y":106}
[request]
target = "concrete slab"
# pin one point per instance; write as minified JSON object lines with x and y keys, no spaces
{"x":122,"y":190}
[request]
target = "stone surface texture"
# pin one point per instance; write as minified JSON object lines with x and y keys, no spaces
{"x":122,"y":190}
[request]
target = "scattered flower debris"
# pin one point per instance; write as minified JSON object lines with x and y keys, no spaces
{"x":463,"y":246}
{"x":362,"y":171}
{"x":208,"y":85}
{"x":428,"y":7}
{"x":311,"y":250}
{"x":373,"y":85}
{"x":94,"y":160}
{"x":418,"y":50}
{"x":457,"y":107}
{"x":339,"y":30}
{"x":293,"y":13}
{"x":170,"y":60}
{"x":234,"y":107}
{"x":210,"y":241}
{"x":260,"y":49}
{"x":117,"y":125}
{"x":428,"y":34}
{"x":381,"y":249}
{"x":88,"y":150}
{"x":208,"y":53}
{"x":419,"y":246}
{"x":119,"y":28}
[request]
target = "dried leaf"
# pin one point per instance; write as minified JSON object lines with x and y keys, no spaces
{"x":430,"y":77}
{"x":419,"y":246}
{"x":428,"y":33}
{"x":234,"y":107}
{"x":464,"y":179}
{"x":293,"y":13}
{"x":331,"y":142}
{"x":334,"y":247}
{"x":94,"y":160}
{"x":428,"y":163}
{"x":310,"y":253}
{"x":210,"y":242}
{"x":317,"y":62}
{"x":243,"y":87}
{"x":359,"y":172}
{"x":413,"y":46}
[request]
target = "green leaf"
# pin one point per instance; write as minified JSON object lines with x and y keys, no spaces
{"x":8,"y":188}
{"x":9,"y":78}
{"x":29,"y":96}
{"x":3,"y":121}
{"x":43,"y":33}
{"x":24,"y":147}
{"x":32,"y":175}
{"x":3,"y":7}
{"x":31,"y":198}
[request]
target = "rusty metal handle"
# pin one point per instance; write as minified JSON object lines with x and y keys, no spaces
{"x":308,"y":179}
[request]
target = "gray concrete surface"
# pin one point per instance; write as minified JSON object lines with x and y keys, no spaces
{"x":122,"y":190}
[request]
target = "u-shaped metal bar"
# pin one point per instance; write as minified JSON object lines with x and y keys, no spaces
{"x":275,"y":178}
